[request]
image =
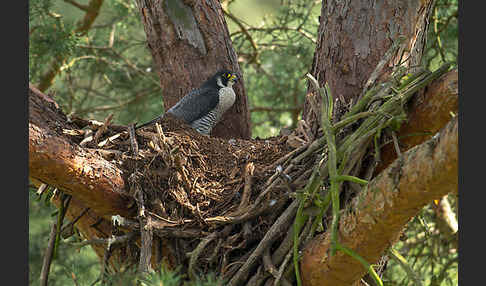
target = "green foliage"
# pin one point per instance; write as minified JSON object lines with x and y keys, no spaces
{"x":109,"y":70}
{"x":50,"y":37}
{"x":274,"y":71}
{"x":83,"y":263}
{"x":430,"y":254}
{"x":442,"y":43}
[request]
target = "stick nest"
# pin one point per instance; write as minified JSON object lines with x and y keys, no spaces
{"x":210,"y":200}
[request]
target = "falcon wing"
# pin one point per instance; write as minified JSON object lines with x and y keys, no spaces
{"x":195,"y":104}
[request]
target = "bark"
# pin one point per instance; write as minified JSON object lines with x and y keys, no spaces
{"x":429,"y":112}
{"x":446,"y":221}
{"x":56,"y":161}
{"x":379,"y":213}
{"x":353,"y":36}
{"x":189,"y":42}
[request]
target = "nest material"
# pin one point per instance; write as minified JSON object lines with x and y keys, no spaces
{"x":214,"y":199}
{"x":222,"y":205}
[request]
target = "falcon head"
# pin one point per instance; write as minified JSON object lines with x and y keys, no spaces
{"x":225,"y":78}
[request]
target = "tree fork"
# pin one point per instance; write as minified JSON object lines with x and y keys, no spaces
{"x":429,"y":112}
{"x":424,"y":173}
{"x":354,"y":37}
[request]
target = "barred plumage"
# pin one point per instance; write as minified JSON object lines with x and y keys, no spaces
{"x":203,"y":108}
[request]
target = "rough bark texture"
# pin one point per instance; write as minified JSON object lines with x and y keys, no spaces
{"x":429,"y":112}
{"x":424,"y":173}
{"x":189,"y":42}
{"x":56,"y":161}
{"x":354,"y":35}
{"x":46,"y":117}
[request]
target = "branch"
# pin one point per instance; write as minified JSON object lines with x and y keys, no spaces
{"x":92,"y":10}
{"x":424,"y":173}
{"x":48,"y":256}
{"x":429,"y":113}
{"x":78,"y":5}
{"x":56,"y":161}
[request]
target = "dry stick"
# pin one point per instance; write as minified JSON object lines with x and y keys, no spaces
{"x":133,"y":140}
{"x":41,"y":189}
{"x":46,"y":264}
{"x":234,"y":265}
{"x":396,"y":145}
{"x":112,"y":240}
{"x":145,"y":232}
{"x":106,"y":258}
{"x":284,"y":247}
{"x":103,"y":128}
{"x":249,"y":169}
{"x":214,"y":255}
{"x":404,"y":264}
{"x":71,"y":224}
{"x":258,"y":278}
{"x":250,"y":214}
{"x":275,"y":230}
{"x":268,"y":264}
{"x":290,"y":252}
{"x":386,"y":58}
{"x":291,"y":154}
{"x":197,"y":251}
{"x":65,"y":200}
{"x":146,"y":238}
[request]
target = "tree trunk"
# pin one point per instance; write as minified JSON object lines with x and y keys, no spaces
{"x":354,"y":36}
{"x":353,"y":40}
{"x":185,"y":52}
{"x":379,"y":213}
{"x":189,"y":42}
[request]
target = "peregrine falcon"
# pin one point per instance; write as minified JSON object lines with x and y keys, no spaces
{"x":203,"y":107}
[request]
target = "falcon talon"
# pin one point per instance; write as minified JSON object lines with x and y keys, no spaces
{"x":203,"y":107}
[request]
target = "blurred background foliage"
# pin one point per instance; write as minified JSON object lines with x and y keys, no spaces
{"x":92,"y":57}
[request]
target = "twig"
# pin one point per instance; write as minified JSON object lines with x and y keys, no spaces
{"x":41,"y":189}
{"x":275,"y":230}
{"x":112,"y":240}
{"x":85,"y":8}
{"x":71,"y":224}
{"x":268,"y":264}
{"x":386,"y":58}
{"x":197,"y":251}
{"x":103,"y":128}
{"x":245,"y":32}
{"x":146,"y":239}
{"x":332,"y":158}
{"x":133,"y":140}
{"x":403,"y":263}
{"x":245,"y":197}
{"x":65,"y":200}
{"x":46,"y":264}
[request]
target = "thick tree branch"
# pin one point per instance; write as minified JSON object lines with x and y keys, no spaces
{"x":379,"y":213}
{"x":56,"y":161}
